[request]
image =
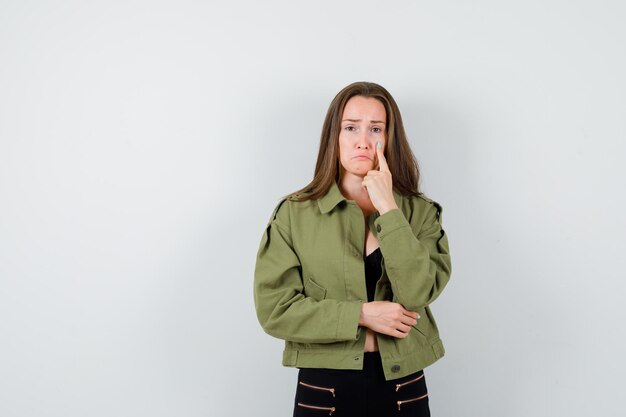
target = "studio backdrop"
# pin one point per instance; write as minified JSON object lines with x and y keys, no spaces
{"x":144,"y":145}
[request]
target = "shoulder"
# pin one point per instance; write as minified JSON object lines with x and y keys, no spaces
{"x":423,"y":208}
{"x":432,"y":204}
{"x":289,"y":206}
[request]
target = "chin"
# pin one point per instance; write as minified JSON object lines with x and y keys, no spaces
{"x":360,"y":172}
{"x":364,"y":167}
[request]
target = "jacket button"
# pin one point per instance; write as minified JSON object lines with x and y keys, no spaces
{"x":378,"y":228}
{"x":395,"y":368}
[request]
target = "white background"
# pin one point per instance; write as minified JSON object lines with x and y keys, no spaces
{"x":144,"y":144}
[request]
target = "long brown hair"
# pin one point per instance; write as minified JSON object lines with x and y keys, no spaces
{"x":402,"y":163}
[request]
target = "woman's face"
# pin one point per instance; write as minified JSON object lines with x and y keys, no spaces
{"x":362,"y":125}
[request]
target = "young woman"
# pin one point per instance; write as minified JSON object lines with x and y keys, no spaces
{"x":348,"y":266}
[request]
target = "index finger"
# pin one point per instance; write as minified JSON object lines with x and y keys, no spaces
{"x":382,"y":162}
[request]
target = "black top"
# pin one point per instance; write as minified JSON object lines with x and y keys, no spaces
{"x":373,"y":270}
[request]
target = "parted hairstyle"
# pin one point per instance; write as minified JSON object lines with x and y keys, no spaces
{"x":402,"y":163}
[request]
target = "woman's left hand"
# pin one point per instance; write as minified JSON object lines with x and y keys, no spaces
{"x":379,"y":185}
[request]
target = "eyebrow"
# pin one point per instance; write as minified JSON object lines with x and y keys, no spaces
{"x":358,"y":120}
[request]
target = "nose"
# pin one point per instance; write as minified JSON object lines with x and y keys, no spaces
{"x":362,"y":141}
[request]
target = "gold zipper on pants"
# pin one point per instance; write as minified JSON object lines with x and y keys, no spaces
{"x":329,"y":409}
{"x":411,"y":400}
{"x":332,"y":390}
{"x":398,"y":386}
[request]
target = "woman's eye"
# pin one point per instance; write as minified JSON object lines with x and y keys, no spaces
{"x":376,"y":129}
{"x":349,"y":128}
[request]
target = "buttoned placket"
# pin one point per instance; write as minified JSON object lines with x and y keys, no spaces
{"x":354,"y":246}
{"x":354,"y":250}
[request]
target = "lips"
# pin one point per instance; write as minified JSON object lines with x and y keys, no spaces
{"x":361,"y":157}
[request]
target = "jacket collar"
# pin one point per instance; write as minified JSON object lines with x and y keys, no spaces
{"x":334,"y":197}
{"x":331,"y":199}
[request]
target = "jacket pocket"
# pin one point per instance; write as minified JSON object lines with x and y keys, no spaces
{"x":314,"y":290}
{"x":421,"y":331}
{"x":424,"y":325}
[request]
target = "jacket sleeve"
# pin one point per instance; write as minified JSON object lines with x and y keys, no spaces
{"x":417,"y":263}
{"x":282,"y":307}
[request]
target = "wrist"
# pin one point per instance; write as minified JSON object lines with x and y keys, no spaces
{"x":387,"y":208}
{"x":362,"y":319}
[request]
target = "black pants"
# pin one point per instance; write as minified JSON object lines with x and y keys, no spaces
{"x":348,"y":393}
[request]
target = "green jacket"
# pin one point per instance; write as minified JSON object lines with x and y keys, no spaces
{"x":309,"y":280}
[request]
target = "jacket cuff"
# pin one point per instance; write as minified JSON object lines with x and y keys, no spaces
{"x":348,"y":326}
{"x":390,"y":221}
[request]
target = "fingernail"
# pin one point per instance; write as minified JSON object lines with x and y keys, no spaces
{"x":379,"y":144}
{"x":419,"y":317}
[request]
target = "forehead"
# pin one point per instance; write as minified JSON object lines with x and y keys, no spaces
{"x":364,"y":108}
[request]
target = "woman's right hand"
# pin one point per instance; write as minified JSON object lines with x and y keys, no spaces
{"x":387,"y":318}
